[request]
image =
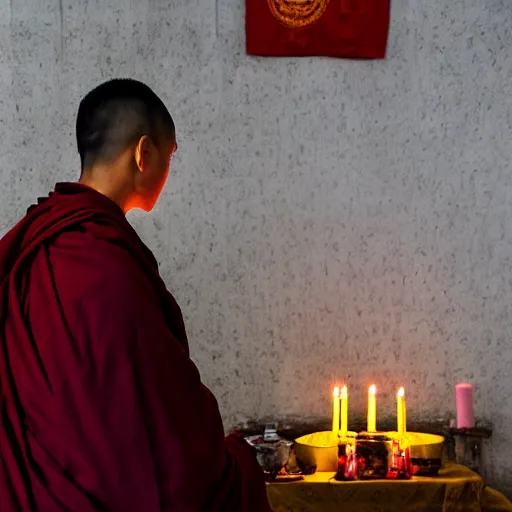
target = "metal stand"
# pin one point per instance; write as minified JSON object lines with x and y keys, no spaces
{"x":466,"y":446}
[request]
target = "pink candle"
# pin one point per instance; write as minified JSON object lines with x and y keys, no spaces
{"x":464,"y":401}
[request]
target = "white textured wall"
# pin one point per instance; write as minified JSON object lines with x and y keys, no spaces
{"x":325,"y":218}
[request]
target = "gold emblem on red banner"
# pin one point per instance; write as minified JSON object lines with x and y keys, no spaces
{"x":297,"y":13}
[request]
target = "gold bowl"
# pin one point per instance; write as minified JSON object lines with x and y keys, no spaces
{"x":320,"y":449}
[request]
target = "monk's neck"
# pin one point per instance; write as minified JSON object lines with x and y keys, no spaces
{"x":117,"y":192}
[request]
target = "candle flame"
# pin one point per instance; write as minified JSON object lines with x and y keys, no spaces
{"x":344,"y":392}
{"x":336,"y":391}
{"x":373,"y":389}
{"x":401,"y":392}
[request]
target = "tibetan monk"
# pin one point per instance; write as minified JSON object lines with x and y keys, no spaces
{"x":101,"y":407}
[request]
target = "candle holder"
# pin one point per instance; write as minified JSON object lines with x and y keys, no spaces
{"x":400,"y":465}
{"x":373,"y":453}
{"x":466,"y":445}
{"x":347,"y":462}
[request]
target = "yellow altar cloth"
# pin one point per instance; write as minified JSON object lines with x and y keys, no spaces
{"x":456,"y":489}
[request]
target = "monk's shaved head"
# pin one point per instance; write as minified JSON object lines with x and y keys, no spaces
{"x":116,"y":114}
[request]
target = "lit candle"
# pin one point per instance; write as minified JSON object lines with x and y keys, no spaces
{"x":401,"y":414}
{"x":372,"y":409}
{"x":344,"y":411}
{"x":336,"y":411}
{"x":464,"y":398}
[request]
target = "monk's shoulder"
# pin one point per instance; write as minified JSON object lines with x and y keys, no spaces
{"x":85,"y":265}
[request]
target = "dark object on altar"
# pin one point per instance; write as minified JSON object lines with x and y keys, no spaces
{"x":466,"y":445}
{"x":372,"y":454}
{"x":426,"y":467}
{"x":271,"y":455}
{"x":272,"y":451}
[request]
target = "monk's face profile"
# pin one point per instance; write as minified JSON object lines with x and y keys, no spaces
{"x":153,"y":164}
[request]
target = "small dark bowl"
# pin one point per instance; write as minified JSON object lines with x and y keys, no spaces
{"x":271,"y":456}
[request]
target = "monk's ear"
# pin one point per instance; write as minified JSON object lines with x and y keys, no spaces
{"x":142,"y":153}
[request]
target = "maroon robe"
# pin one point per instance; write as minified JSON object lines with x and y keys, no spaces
{"x":101,"y":407}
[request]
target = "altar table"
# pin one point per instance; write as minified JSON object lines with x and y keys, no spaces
{"x":456,"y":489}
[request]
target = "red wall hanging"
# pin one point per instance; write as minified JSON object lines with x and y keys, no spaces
{"x":356,"y":29}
